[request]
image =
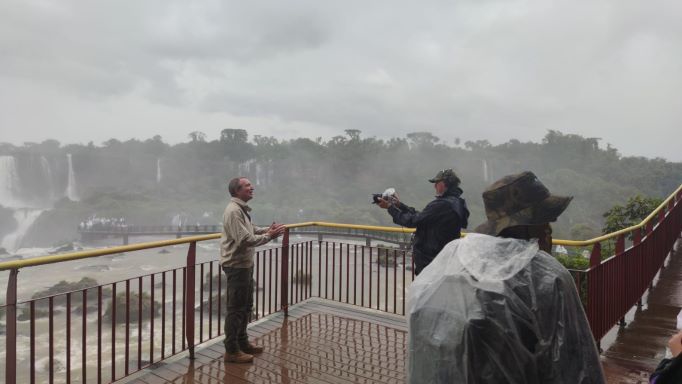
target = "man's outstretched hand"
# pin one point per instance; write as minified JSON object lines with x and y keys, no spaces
{"x":276,"y":230}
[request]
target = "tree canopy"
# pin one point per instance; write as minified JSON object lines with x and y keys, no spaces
{"x":306,"y":179}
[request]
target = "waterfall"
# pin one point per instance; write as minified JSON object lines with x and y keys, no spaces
{"x":491,"y":174}
{"x":270,"y":173}
{"x":9,"y":182}
{"x":47,"y":173}
{"x":245,"y":168}
{"x":486,"y":177}
{"x":10,"y":192}
{"x":158,"y":170}
{"x":25,"y":218}
{"x":258,"y":174}
{"x":71,"y":191}
{"x":178,"y":220}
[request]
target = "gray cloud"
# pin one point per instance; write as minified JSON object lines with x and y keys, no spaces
{"x":474,"y":70}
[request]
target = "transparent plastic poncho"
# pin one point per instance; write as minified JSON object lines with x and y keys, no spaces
{"x":495,"y":310}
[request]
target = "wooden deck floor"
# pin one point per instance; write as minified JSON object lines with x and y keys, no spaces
{"x":327,"y":342}
{"x":320,"y":342}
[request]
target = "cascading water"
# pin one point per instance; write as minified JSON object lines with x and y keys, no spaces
{"x":47,"y":173}
{"x":71,"y":191}
{"x":485,"y":170}
{"x":245,"y":167}
{"x":10,"y":192}
{"x":9,"y":182}
{"x":486,"y":174}
{"x":259,"y":181}
{"x":158,"y":170}
{"x":25,"y":217}
{"x":270,"y":173}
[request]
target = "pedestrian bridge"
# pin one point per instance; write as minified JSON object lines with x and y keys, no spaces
{"x":328,"y":311}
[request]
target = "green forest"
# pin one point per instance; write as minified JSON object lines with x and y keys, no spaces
{"x":150,"y":182}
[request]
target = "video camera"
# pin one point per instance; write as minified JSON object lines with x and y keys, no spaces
{"x":388,"y":194}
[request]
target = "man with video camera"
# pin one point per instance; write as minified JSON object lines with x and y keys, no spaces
{"x":440,"y":222}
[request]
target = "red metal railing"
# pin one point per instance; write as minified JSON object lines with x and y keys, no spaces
{"x":371,"y":277}
{"x":128,"y":325}
{"x":618,"y":283}
{"x":610,"y":288}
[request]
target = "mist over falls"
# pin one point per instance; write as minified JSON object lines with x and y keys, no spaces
{"x":28,"y":189}
{"x":153,"y":183}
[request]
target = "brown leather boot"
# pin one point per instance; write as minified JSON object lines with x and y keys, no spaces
{"x":251,"y":349}
{"x":238,"y":357}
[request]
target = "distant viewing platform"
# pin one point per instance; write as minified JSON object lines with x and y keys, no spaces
{"x":402,"y":240}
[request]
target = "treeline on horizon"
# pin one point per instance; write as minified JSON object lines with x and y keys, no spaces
{"x":326,"y":180}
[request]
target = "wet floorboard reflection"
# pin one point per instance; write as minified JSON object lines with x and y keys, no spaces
{"x":320,"y":342}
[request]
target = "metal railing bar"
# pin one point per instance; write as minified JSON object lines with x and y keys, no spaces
{"x":99,"y":335}
{"x":32,"y":345}
{"x":151,"y":319}
{"x":113,"y":332}
{"x":163,"y":315}
{"x":127,"y":328}
{"x":84,"y":330}
{"x":139,"y":323}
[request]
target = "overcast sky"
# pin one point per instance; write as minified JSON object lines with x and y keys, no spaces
{"x":89,"y":70}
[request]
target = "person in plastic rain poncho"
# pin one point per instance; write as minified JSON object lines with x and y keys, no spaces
{"x":496,"y":307}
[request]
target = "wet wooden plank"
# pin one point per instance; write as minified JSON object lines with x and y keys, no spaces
{"x":317,"y":343}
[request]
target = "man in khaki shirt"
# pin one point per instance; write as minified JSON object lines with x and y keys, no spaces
{"x":237,"y":248}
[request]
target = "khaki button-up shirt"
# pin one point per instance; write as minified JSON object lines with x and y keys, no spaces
{"x":239,"y":237}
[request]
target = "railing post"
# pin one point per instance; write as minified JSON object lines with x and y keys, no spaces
{"x":649,"y":230}
{"x":592,"y":287}
{"x":620,"y":249}
{"x":595,"y":256}
{"x":189,"y":298}
{"x":285,"y":273}
{"x":11,"y":326}
{"x":636,"y":240}
{"x":637,"y":236}
{"x":620,"y":244}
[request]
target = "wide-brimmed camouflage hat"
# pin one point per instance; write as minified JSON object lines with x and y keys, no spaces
{"x":445,"y":175}
{"x":519,"y":199}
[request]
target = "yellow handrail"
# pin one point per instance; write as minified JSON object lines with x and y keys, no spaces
{"x":51,"y":259}
{"x":42,"y":260}
{"x":351,"y":226}
{"x":583,"y":243}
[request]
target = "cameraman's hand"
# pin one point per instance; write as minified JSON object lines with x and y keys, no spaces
{"x":396,"y":199}
{"x":383,"y":203}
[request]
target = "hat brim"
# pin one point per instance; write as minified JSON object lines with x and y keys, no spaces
{"x":546,"y":211}
{"x":434,"y":180}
